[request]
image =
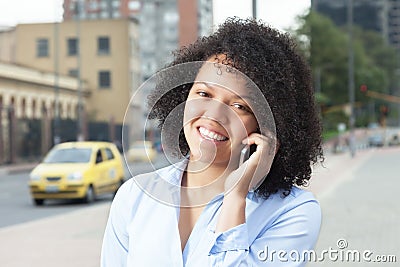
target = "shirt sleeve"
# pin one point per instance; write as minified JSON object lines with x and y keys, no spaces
{"x":287,"y":242}
{"x":114,"y":250}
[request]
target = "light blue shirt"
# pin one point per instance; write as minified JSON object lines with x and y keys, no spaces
{"x":143,"y":231}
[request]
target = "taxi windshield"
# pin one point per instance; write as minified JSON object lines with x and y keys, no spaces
{"x":69,"y":155}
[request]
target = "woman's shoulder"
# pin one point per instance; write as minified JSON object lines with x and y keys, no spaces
{"x":137,"y":182}
{"x":299,"y":201}
{"x":157,"y":185}
{"x":299,"y":207}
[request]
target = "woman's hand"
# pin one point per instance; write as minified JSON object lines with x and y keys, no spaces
{"x":253,"y":170}
{"x":244,"y":178}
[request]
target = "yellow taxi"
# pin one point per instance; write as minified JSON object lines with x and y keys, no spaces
{"x":77,"y":170}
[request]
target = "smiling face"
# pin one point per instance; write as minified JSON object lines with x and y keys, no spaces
{"x":217,"y":116}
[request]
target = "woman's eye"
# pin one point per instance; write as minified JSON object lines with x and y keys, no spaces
{"x":203,"y":94}
{"x":241,"y":107}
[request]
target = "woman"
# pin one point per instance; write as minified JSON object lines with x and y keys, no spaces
{"x":250,"y":90}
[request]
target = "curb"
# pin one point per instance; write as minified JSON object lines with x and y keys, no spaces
{"x":16,"y":169}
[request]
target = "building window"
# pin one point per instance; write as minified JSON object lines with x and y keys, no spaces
{"x":103,"y":45}
{"x":73,"y":73}
{"x":104,"y":15}
{"x":104,"y":79}
{"x":42,"y":47}
{"x":116,"y":4}
{"x":116,"y":14}
{"x":134,"y":5}
{"x":72,"y":44}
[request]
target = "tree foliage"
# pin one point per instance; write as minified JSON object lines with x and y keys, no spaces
{"x":326,"y":47}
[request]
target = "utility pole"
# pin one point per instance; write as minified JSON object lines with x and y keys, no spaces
{"x":56,"y":138}
{"x":80,"y":136}
{"x":351,"y":76}
{"x":254,"y":5}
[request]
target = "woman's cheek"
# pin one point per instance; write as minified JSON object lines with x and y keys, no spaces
{"x":194,"y":108}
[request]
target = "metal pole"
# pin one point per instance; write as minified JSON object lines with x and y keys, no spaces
{"x":351,"y":77}
{"x":254,"y":5}
{"x":56,"y":137}
{"x":80,"y":136}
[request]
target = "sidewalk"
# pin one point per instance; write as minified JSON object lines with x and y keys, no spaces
{"x":71,"y":239}
{"x":16,"y":168}
{"x":360,"y":210}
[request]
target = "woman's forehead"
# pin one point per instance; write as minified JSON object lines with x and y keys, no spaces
{"x":219,"y":75}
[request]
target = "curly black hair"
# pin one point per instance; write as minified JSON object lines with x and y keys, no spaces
{"x":271,"y":60}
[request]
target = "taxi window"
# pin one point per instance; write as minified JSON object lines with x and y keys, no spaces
{"x":68,"y":155}
{"x":109,"y":154}
{"x":99,"y":157}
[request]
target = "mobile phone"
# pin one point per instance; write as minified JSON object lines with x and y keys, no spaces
{"x":246,"y":153}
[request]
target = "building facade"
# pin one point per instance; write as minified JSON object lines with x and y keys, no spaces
{"x":30,"y":100}
{"x":103,"y":55}
{"x":164,"y":26}
{"x":382,"y":16}
{"x":100,"y":9}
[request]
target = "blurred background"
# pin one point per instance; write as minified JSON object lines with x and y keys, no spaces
{"x":68,"y":69}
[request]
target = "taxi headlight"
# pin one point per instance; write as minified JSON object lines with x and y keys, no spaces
{"x":75,"y":176}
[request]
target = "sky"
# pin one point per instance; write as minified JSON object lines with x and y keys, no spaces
{"x":278,"y":13}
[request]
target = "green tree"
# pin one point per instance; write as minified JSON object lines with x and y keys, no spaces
{"x":326,"y":47}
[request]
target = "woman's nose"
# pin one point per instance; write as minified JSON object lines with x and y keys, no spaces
{"x":217,"y":110}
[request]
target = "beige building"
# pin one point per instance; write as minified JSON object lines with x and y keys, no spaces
{"x":7,"y":45}
{"x":92,"y":62}
{"x":31,"y":96}
{"x":103,"y":53}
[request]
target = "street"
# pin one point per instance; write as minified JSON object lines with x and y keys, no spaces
{"x":357,"y":196}
{"x":17,"y":207}
{"x":360,"y":208}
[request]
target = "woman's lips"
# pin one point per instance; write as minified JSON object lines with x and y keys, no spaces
{"x":211,"y":135}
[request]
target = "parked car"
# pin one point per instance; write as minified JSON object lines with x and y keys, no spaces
{"x":394,"y":140}
{"x":376,"y":140}
{"x":77,"y":170}
{"x":141,"y":151}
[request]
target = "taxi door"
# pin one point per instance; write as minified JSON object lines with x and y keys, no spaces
{"x":100,"y":173}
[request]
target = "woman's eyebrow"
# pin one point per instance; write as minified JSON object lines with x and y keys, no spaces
{"x":248,"y":98}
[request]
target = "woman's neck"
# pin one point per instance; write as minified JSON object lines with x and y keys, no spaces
{"x":199,"y":174}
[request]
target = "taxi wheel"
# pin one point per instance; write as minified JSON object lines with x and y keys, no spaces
{"x":38,"y":201}
{"x":90,"y":195}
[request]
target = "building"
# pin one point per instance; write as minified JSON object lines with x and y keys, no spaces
{"x":29,"y":101}
{"x":7,"y":44}
{"x":164,"y":26}
{"x":167,"y":25}
{"x":382,"y":16}
{"x":100,"y":9}
{"x":103,"y":54}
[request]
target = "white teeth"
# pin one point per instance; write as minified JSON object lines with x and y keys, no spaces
{"x":211,"y":135}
